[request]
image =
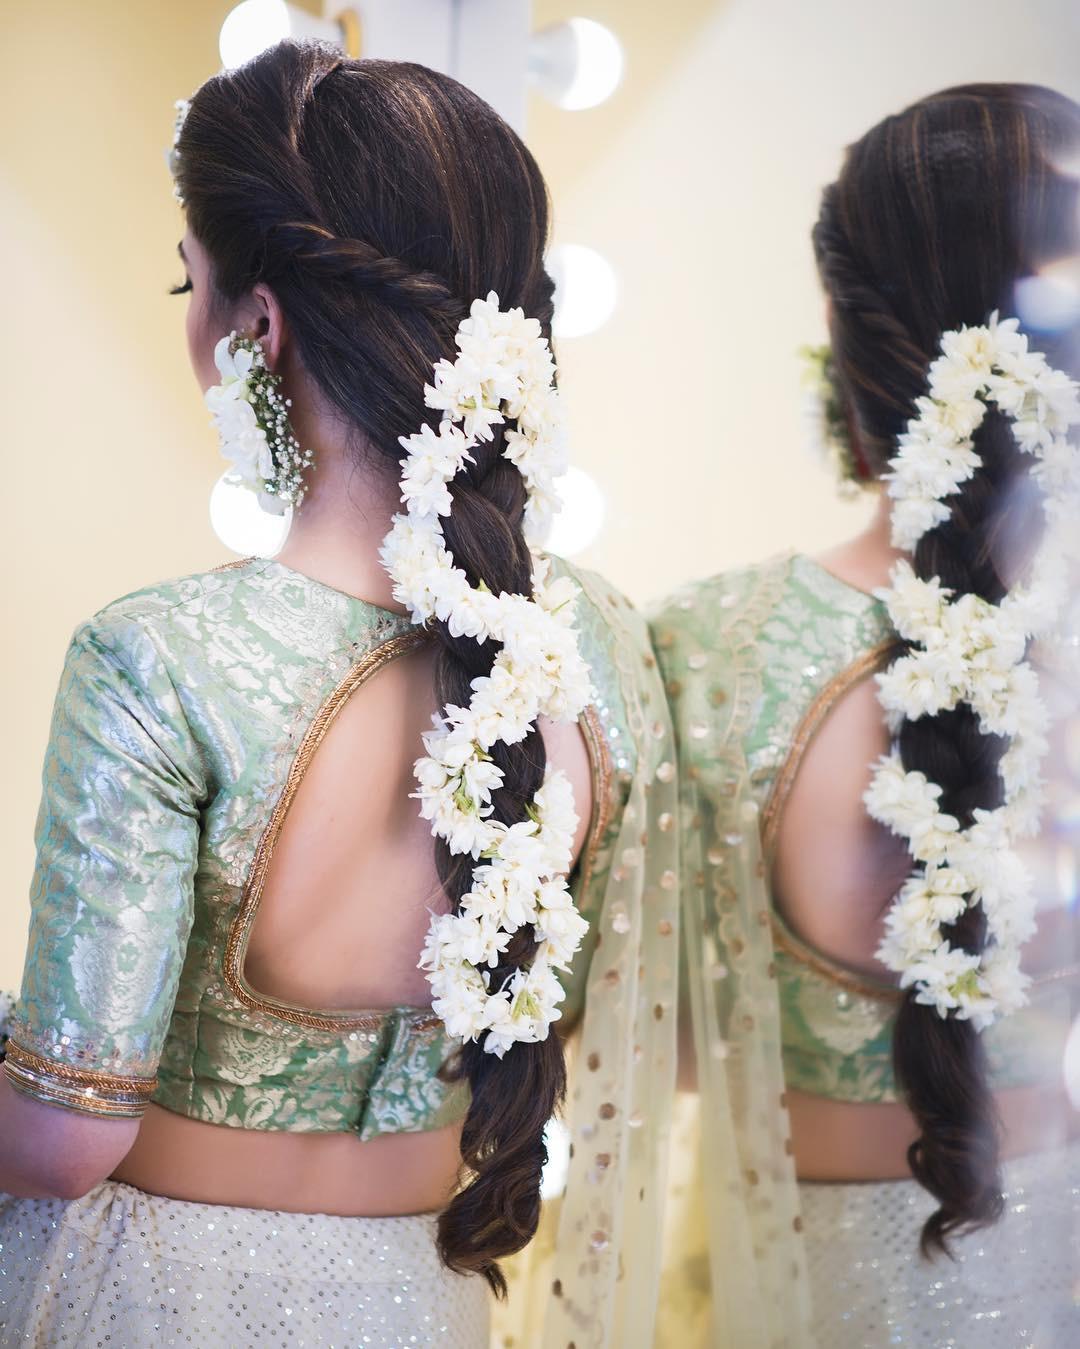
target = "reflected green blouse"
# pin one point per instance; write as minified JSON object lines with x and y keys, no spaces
{"x":185,"y":717}
{"x":756,"y":658}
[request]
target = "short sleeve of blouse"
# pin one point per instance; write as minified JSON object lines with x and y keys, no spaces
{"x":117,"y":838}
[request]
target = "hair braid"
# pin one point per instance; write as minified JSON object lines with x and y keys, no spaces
{"x":317,"y":253}
{"x":513,"y":1098}
{"x":900,"y":267}
{"x":375,"y":202}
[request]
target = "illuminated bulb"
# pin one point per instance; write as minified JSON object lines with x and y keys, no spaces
{"x":250,"y":28}
{"x":1047,"y":303}
{"x":581,"y":517}
{"x":257,"y":24}
{"x":577,"y":64}
{"x":242,"y":525}
{"x":585,"y":289}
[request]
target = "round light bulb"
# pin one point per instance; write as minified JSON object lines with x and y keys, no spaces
{"x":581,"y":517}
{"x":242,"y":525}
{"x":585,"y":289}
{"x":1047,"y":302}
{"x":577,"y":63}
{"x":250,"y":28}
{"x":599,"y":65}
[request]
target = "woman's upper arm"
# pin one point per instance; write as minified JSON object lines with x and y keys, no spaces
{"x":53,"y":1152}
{"x":117,"y":839}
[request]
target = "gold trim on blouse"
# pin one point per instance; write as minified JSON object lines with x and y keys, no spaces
{"x":235,"y":562}
{"x":242,"y":924}
{"x":787,"y":940}
{"x":82,"y":1089}
{"x":853,"y":981}
{"x":240,"y":930}
{"x":603,"y":773}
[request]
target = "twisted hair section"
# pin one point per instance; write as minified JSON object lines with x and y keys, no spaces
{"x":937,"y":213}
{"x":378,"y":199}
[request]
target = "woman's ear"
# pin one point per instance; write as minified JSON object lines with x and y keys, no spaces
{"x":267,"y":323}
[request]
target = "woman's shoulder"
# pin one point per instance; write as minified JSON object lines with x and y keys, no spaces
{"x":155,"y":603}
{"x":147,"y":639}
{"x":143,"y":614}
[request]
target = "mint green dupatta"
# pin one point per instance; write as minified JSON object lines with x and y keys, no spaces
{"x":591,"y":1275}
{"x":734,"y":1266}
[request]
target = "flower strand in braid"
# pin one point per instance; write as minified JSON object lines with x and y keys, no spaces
{"x":504,"y":372}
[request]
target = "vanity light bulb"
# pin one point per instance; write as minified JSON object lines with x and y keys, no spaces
{"x":576,"y":64}
{"x":250,"y":28}
{"x":582,"y":515}
{"x":242,"y":525}
{"x":585,"y":289}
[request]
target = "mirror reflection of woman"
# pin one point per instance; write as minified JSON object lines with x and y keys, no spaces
{"x":846,"y":1123}
{"x":231,"y":1111}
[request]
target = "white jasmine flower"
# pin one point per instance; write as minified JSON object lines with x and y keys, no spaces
{"x":921,"y":684}
{"x":559,"y":923}
{"x":503,"y":372}
{"x":970,"y":651}
{"x":912,"y":517}
{"x":558,"y":820}
{"x":462,"y":1004}
{"x":915,"y":606}
{"x":907,"y":803}
{"x":943,"y":976}
{"x":1006,"y":983}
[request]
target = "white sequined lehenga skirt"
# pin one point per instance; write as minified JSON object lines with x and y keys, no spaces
{"x":126,"y":1269}
{"x":1014,"y":1284}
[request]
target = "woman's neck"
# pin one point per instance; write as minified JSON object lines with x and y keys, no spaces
{"x":866,"y":560}
{"x":346,"y":512}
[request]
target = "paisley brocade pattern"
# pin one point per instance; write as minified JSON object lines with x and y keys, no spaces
{"x":178,"y":716}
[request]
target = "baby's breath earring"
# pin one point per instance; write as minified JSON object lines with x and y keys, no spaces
{"x":252,"y":420}
{"x":827,"y":419}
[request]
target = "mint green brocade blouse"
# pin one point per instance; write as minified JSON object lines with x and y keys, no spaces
{"x":185,"y":717}
{"x":754,"y":660}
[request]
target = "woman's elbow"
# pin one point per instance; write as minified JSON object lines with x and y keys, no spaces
{"x":56,"y":1153}
{"x":46,"y":1177}
{"x":70,"y":1180}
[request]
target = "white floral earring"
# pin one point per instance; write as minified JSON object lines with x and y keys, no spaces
{"x":252,"y":420}
{"x":826,"y":421}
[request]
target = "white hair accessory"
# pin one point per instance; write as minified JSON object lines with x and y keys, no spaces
{"x":182,"y":107}
{"x":967,"y":650}
{"x":504,"y":371}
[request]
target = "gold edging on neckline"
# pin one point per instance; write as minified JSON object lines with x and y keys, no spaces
{"x":603,"y":772}
{"x":236,"y":562}
{"x":240,"y":929}
{"x":850,"y":980}
{"x":242,"y":924}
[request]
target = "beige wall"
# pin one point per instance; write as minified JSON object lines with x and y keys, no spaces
{"x":698,"y":181}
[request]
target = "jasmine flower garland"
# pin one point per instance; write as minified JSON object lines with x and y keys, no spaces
{"x":970,"y":651}
{"x":503,"y":372}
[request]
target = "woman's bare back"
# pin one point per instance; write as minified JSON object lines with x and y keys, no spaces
{"x":348,"y":895}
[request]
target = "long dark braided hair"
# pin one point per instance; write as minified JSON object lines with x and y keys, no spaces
{"x":377,"y":199}
{"x":936,"y":215}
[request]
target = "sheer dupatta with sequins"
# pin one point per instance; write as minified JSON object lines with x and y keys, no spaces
{"x":591,"y":1275}
{"x":733,"y":1267}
